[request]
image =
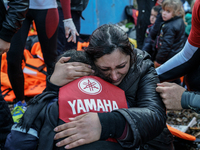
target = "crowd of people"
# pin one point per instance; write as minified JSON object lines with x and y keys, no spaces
{"x":109,"y":96}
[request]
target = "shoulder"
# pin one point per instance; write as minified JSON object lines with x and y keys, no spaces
{"x":143,"y":60}
{"x":174,"y":24}
{"x":177,"y":22}
{"x":141,"y":55}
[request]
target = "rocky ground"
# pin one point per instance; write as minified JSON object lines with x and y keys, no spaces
{"x":184,"y":117}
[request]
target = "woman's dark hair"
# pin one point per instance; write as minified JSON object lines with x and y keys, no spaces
{"x":105,"y":39}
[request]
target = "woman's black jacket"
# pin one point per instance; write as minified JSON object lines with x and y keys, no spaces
{"x":147,"y":115}
{"x":11,"y":19}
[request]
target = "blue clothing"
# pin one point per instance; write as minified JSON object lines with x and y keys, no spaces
{"x":18,"y":136}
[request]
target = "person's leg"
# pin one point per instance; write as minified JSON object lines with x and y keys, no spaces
{"x":14,"y":59}
{"x":61,"y":33}
{"x":6,"y":120}
{"x":47,"y":23}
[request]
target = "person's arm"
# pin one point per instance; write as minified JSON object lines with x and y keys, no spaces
{"x":14,"y":17}
{"x":19,"y":139}
{"x":91,"y":127}
{"x":180,"y":64}
{"x":147,"y":46}
{"x":16,"y":12}
{"x":143,"y":119}
{"x":68,"y":22}
{"x":176,"y":97}
{"x":156,"y":27}
{"x":190,"y":100}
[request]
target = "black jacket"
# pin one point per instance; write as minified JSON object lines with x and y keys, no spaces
{"x":11,"y":20}
{"x":147,"y":116}
{"x":171,"y":39}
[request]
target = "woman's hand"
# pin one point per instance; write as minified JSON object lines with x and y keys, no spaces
{"x":67,"y":72}
{"x":81,"y":130}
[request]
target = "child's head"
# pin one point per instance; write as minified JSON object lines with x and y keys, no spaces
{"x":154,"y":13}
{"x":172,"y":8}
{"x":83,"y":57}
{"x":77,"y":56}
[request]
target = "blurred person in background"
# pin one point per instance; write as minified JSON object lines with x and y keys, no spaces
{"x":148,"y":42}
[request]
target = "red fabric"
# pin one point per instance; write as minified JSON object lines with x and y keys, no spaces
{"x":66,"y":8}
{"x":194,"y":36}
{"x":52,"y":20}
{"x":73,"y":101}
{"x":76,"y":98}
{"x":135,"y":15}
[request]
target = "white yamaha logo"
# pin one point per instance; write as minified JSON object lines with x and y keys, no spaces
{"x":90,"y":86}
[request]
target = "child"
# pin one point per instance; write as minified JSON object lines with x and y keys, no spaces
{"x":172,"y":32}
{"x":148,"y":42}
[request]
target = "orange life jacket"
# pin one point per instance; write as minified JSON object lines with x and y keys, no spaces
{"x":81,"y":45}
{"x":181,"y":134}
{"x":34,"y":74}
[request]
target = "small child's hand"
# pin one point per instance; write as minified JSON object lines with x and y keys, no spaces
{"x":159,"y":2}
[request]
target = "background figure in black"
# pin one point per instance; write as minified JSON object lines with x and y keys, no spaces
{"x":144,"y":8}
{"x":10,"y":21}
{"x":77,"y":6}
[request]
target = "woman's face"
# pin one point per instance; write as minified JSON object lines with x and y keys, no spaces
{"x":114,"y":66}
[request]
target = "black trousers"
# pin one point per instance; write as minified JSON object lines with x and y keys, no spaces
{"x":46,"y":22}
